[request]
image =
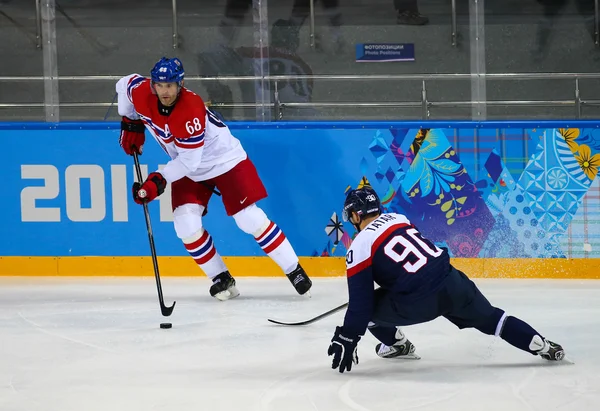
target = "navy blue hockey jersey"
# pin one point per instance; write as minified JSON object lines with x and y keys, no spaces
{"x":391,"y":252}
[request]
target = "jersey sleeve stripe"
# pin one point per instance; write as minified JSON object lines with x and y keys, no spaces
{"x":358,"y":267}
{"x":213,"y":119}
{"x":385,"y":235}
{"x":159,"y":131}
{"x":192,"y":140}
{"x":133,"y":83}
{"x":183,"y":144}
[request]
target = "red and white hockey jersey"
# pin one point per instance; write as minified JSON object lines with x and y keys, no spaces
{"x":199,"y":144}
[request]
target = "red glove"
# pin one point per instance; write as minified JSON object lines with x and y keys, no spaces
{"x":132,"y":135}
{"x":154,"y":186}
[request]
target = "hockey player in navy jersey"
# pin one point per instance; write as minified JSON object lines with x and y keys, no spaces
{"x":417,"y":284}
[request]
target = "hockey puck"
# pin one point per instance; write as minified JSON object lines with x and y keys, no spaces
{"x":166,"y":325}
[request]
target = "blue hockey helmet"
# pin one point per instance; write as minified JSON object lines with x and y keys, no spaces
{"x":168,"y":71}
{"x":363,"y":201}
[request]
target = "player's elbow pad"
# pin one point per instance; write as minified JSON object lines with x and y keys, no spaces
{"x":125,"y":108}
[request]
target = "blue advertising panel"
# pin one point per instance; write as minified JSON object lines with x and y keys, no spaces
{"x":480,"y":189}
{"x":68,"y":192}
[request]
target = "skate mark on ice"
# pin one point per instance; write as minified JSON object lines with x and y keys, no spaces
{"x":516,"y":389}
{"x":344,"y":396}
{"x":41,"y":329}
{"x":38,"y":404}
{"x":280,"y":386}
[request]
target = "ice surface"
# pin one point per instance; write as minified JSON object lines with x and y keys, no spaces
{"x":81,"y":344}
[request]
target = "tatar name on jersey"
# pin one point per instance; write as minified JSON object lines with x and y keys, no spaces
{"x":364,"y":245}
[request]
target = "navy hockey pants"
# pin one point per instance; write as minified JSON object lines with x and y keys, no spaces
{"x":458,"y":299}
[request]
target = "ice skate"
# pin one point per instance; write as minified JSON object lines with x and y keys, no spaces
{"x":223,"y":287}
{"x":550,"y":350}
{"x":300,"y":281}
{"x":404,"y":351}
{"x":402,"y":348}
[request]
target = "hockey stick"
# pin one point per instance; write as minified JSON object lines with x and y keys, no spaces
{"x":312,"y":320}
{"x":166,"y":311}
{"x":211,"y":188}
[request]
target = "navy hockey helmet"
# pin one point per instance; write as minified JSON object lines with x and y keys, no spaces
{"x":168,"y":71}
{"x":363,"y":201}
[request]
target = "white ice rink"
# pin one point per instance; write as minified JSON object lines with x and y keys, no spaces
{"x":95,"y":344}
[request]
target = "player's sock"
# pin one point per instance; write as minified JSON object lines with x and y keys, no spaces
{"x":517,"y":333}
{"x":387,"y":335}
{"x":204,"y":253}
{"x":276,"y":245}
{"x":521,"y":335}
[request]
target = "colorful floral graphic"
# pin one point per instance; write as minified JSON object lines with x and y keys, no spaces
{"x":529,"y":186}
{"x":570,"y":135}
{"x":589,"y":163}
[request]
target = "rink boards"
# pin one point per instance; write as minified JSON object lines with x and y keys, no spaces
{"x":507,"y":199}
{"x":264,"y":267}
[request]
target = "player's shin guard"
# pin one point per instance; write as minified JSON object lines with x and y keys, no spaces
{"x":274,"y":243}
{"x":201,"y":248}
{"x":521,"y":335}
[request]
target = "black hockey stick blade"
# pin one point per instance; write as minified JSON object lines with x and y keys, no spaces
{"x":312,"y":320}
{"x":166,"y":311}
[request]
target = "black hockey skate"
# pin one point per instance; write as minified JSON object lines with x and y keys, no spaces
{"x":404,"y":350}
{"x":300,"y":280}
{"x":555,"y":352}
{"x":223,"y":287}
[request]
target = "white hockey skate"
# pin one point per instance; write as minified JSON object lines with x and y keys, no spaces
{"x":549,"y":350}
{"x":223,"y":287}
{"x":402,"y":349}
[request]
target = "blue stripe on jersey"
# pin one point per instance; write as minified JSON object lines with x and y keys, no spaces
{"x":133,"y":83}
{"x":214,"y":120}
{"x":192,"y":140}
{"x":158,"y":130}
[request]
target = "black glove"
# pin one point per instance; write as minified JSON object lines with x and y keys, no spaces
{"x":343,"y":350}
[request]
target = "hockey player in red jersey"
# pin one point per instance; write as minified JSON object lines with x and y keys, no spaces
{"x":417,"y":284}
{"x":204,"y":155}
